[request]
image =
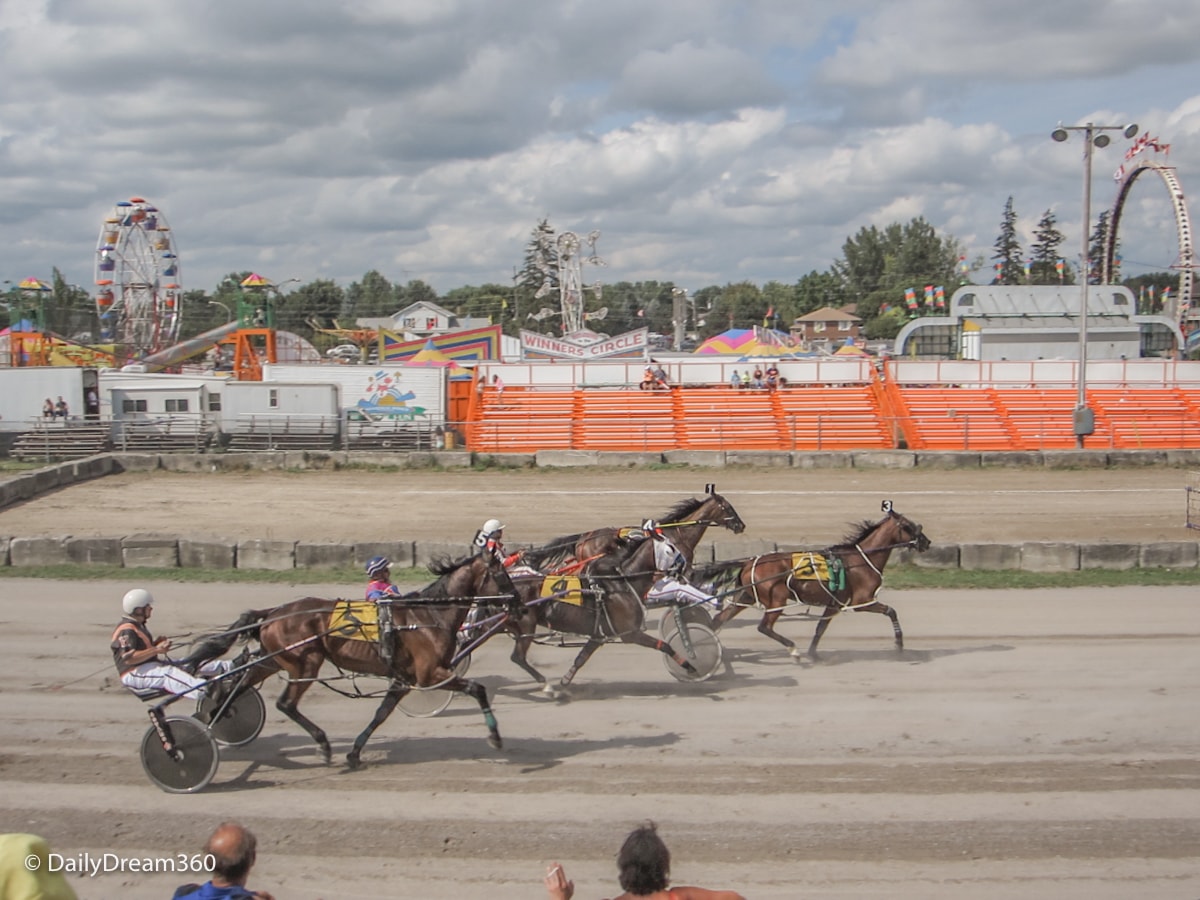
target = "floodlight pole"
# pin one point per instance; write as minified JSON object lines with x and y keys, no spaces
{"x":1083,"y":419}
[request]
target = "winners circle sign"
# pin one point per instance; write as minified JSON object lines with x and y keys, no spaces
{"x":585,"y":345}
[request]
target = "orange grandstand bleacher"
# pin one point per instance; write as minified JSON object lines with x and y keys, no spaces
{"x":959,"y":405}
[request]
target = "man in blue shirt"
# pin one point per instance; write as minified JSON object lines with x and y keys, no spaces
{"x":233,"y":850}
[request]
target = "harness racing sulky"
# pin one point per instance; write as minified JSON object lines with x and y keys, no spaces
{"x":845,"y":576}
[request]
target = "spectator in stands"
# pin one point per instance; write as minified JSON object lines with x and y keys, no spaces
{"x":61,"y":409}
{"x":233,"y":850}
{"x":48,"y":409}
{"x":647,"y":379}
{"x":735,"y":380}
{"x":745,"y":379}
{"x":660,"y":379}
{"x":757,"y":382}
{"x":772,"y":377}
{"x":91,"y":404}
{"x":643,"y":870}
{"x":498,"y":387}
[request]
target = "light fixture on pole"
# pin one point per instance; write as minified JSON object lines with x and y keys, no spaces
{"x":1084,"y":419}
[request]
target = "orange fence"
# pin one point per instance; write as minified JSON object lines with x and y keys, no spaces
{"x":877,"y":415}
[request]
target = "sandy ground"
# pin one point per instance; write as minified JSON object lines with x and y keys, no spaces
{"x":1025,"y":744}
{"x":1033,"y":743}
{"x":783,"y":505}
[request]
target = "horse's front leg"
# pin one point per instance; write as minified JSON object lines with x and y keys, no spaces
{"x":479,"y":692}
{"x":584,"y":655}
{"x":822,"y":624}
{"x":396,"y":690}
{"x":522,"y":640}
{"x":886,"y":610}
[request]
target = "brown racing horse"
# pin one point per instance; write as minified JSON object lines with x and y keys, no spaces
{"x":609,"y":602}
{"x":569,"y":552}
{"x":297,"y":639}
{"x":845,"y":576}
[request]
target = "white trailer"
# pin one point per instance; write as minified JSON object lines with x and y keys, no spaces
{"x":262,"y":407}
{"x":24,"y":390}
{"x":395,"y":393}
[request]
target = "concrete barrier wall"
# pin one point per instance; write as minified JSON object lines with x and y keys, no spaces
{"x":155,"y":551}
{"x":171,"y":551}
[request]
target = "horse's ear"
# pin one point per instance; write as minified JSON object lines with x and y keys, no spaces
{"x":710,"y":488}
{"x":886,"y":506}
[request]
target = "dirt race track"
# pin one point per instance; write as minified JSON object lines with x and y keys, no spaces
{"x":1025,"y":744}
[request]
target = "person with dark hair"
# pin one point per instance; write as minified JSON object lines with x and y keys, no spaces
{"x":644,"y":870}
{"x":233,"y":849}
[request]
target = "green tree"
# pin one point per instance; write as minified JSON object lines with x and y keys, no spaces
{"x":373,"y":297}
{"x":877,"y":266}
{"x":1096,"y":245}
{"x":1045,"y":252}
{"x":1007,"y":249}
{"x":820,"y":289}
{"x":740,"y":305}
{"x":319,"y":301}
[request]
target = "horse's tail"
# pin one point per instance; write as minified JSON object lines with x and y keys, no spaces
{"x":720,"y":577}
{"x":211,"y":646}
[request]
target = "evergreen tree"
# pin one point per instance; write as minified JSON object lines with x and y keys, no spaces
{"x":1007,"y":255}
{"x":1046,"y":252}
{"x":1096,"y":247}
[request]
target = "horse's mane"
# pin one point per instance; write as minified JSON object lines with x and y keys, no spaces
{"x":555,"y":550}
{"x":444,"y":567}
{"x":684,"y":508}
{"x":862,"y":529}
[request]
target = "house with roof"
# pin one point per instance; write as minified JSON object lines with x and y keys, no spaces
{"x":823,"y":327}
{"x":424,"y":319}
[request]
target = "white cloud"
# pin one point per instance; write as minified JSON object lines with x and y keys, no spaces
{"x":709,"y":140}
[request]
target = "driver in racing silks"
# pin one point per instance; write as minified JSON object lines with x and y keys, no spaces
{"x":672,"y":586}
{"x":381,"y":592}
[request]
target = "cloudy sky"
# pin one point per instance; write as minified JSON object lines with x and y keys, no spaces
{"x":709,"y":141}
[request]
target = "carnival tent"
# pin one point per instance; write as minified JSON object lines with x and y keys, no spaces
{"x":430,"y":356}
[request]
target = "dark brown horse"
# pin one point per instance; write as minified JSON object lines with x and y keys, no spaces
{"x":845,"y":576}
{"x":609,"y":603}
{"x":297,"y":639}
{"x":570,"y":552}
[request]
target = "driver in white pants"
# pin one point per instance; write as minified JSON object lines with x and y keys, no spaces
{"x":671,"y":588}
{"x":141,"y":660}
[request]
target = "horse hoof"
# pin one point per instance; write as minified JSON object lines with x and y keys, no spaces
{"x":353,"y":760}
{"x":794,"y":653}
{"x":495,"y":743}
{"x":327,"y":755}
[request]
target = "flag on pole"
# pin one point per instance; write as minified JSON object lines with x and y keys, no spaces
{"x":1060,"y":267}
{"x":940,"y":296}
{"x":996,"y":277}
{"x":1028,"y":268}
{"x":910,"y":298}
{"x":929,"y":295}
{"x":963,"y":268}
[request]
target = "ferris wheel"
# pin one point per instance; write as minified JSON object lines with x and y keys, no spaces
{"x":138,"y":294}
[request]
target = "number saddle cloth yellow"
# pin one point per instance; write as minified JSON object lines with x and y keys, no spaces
{"x":355,"y":620}
{"x":809,"y":566}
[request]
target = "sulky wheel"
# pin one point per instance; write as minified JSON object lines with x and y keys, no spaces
{"x":241,"y":721}
{"x":669,"y":626}
{"x":701,"y":648}
{"x":424,"y":704}
{"x":194,"y":762}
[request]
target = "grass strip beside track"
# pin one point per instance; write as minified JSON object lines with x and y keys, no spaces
{"x":897,"y":578}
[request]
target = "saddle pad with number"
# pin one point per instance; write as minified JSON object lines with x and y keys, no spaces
{"x":563,"y":588}
{"x":816,"y":567}
{"x":355,"y":620}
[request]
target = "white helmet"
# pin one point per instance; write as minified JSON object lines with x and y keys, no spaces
{"x":491,"y":526}
{"x":136,"y":599}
